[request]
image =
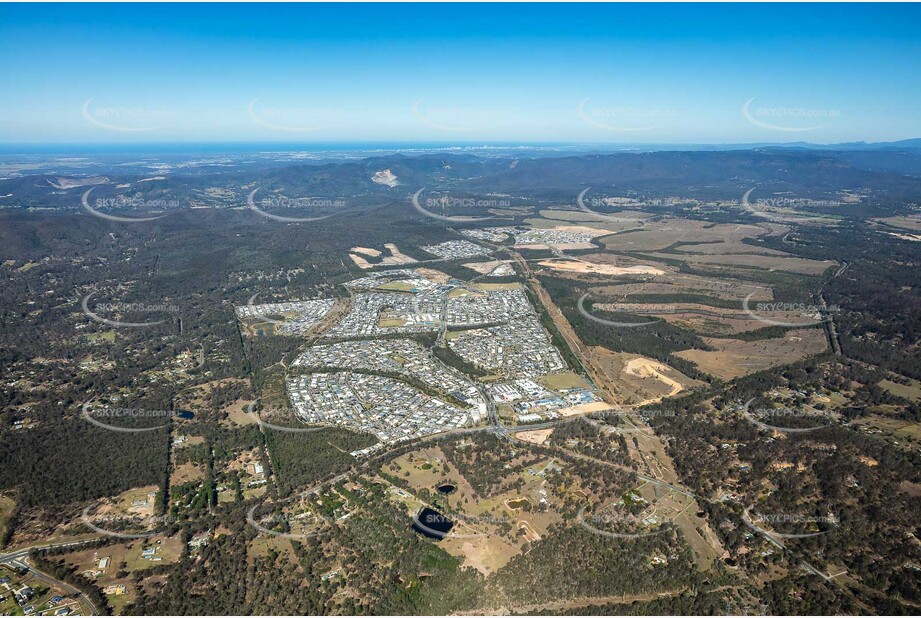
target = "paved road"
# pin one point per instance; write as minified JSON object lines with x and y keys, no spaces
{"x":19,"y":559}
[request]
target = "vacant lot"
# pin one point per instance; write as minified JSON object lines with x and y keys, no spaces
{"x":634,"y":378}
{"x":910,"y":391}
{"x":733,"y":358}
{"x":584,"y":266}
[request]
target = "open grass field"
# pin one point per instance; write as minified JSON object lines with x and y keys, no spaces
{"x":732,"y":358}
{"x":564,"y":379}
{"x":513,"y":285}
{"x":911,"y":223}
{"x":899,"y":429}
{"x":910,"y":391}
{"x":659,"y":235}
{"x":553,"y":217}
{"x":764,"y":262}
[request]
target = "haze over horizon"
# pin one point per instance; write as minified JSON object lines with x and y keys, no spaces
{"x":587,"y":74}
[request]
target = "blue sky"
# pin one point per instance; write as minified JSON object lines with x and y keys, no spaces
{"x":460,"y":73}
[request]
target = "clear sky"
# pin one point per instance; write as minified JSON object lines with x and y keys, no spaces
{"x":460,"y":73}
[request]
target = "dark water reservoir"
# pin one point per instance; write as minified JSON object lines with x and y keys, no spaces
{"x":432,"y":524}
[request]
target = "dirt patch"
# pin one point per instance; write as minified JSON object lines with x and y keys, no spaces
{"x":186,"y":473}
{"x":435,"y":276}
{"x":582,"y":266}
{"x":396,"y":257}
{"x":238,"y":413}
{"x":639,"y":380}
{"x":538,"y":436}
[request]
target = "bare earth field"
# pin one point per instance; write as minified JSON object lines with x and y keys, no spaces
{"x":583,"y":266}
{"x":705,"y":319}
{"x":733,"y":358}
{"x":395,"y":257}
{"x":640,"y":380}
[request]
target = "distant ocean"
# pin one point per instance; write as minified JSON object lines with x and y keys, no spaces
{"x":353,"y":148}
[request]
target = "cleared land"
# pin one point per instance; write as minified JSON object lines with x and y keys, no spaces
{"x":732,"y":358}
{"x":583,"y":266}
{"x":640,"y":380}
